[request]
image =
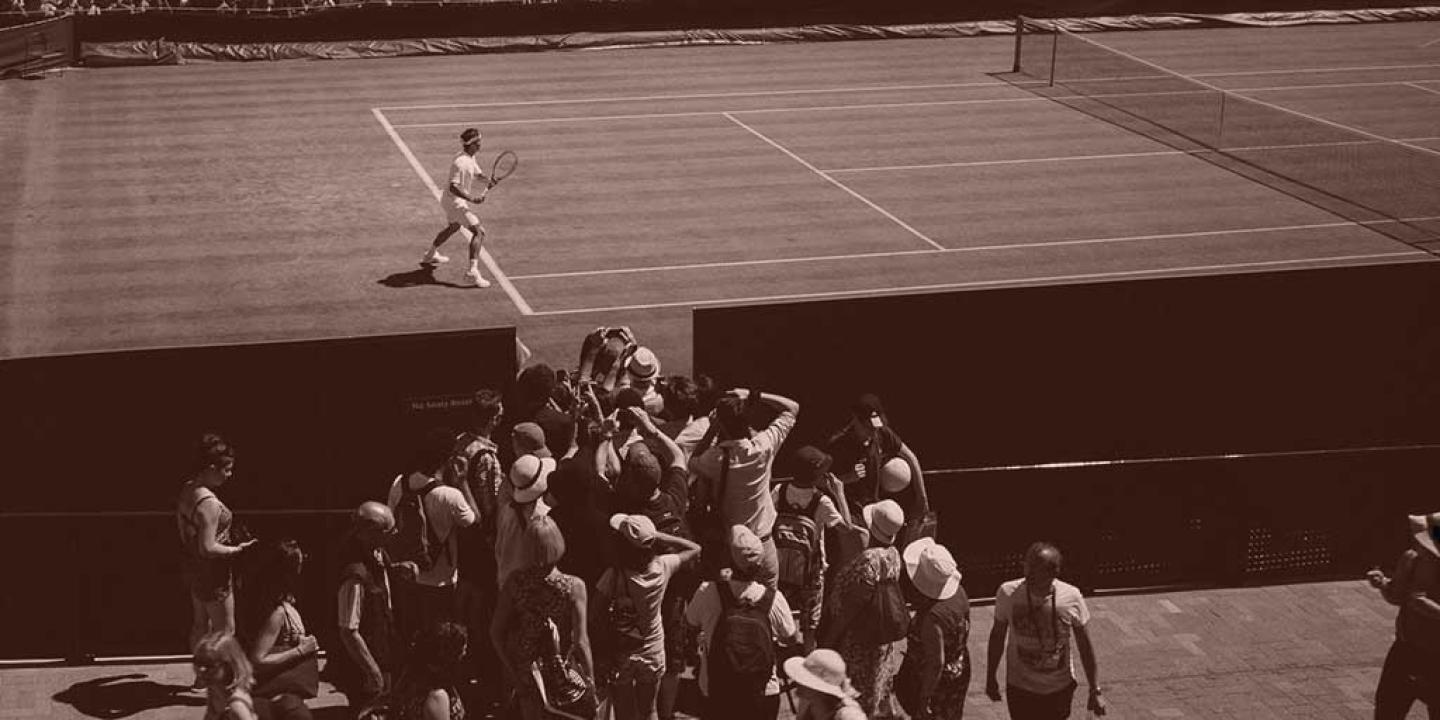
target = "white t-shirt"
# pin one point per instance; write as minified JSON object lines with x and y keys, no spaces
{"x":704,"y":609}
{"x":1037,"y":654}
{"x":445,"y":511}
{"x":463,"y":172}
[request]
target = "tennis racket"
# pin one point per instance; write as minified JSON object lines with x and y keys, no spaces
{"x":505,"y":164}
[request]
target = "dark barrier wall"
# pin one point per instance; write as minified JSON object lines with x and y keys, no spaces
{"x":96,"y":447}
{"x":37,"y":46}
{"x":1298,"y":360}
{"x":1219,"y":521}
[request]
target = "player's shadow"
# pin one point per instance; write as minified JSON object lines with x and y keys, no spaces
{"x":423,"y":275}
{"x":120,"y":696}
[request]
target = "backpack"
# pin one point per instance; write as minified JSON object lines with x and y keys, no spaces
{"x":742,"y":651}
{"x":797,"y":543}
{"x":414,"y":540}
{"x":887,"y":619}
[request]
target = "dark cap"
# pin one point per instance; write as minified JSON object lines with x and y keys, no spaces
{"x":812,"y":462}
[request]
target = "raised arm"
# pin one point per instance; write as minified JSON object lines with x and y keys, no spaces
{"x":646,"y":425}
{"x":917,"y":477}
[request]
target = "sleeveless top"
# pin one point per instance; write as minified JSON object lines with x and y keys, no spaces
{"x":538,"y":595}
{"x":187,"y":518}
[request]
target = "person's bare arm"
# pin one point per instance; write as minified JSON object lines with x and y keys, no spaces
{"x":994,"y":653}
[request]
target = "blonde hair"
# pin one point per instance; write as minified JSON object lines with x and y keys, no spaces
{"x":219,"y":648}
{"x":544,"y":544}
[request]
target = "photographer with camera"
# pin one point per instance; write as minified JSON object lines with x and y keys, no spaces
{"x":735,"y":466}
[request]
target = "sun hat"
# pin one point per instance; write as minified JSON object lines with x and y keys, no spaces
{"x":823,"y":670}
{"x":639,"y":530}
{"x":643,"y":364}
{"x":530,"y":476}
{"x":894,"y":475}
{"x":884,"y":519}
{"x":1425,"y":529}
{"x":932,"y":569}
{"x":529,"y":439}
{"x":747,"y":553}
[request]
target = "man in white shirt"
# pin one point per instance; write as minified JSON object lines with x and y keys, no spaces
{"x":738,"y":466}
{"x":428,"y":594}
{"x":1041,"y":613}
{"x":455,"y":201}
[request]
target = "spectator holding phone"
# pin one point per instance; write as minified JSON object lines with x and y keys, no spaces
{"x":205,"y":527}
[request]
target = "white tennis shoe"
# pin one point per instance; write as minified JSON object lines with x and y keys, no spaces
{"x":432,"y":257}
{"x":475,"y":277}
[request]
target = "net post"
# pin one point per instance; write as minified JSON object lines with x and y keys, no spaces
{"x":1019,"y":39}
{"x":1220,"y":129}
{"x":1054,"y":53}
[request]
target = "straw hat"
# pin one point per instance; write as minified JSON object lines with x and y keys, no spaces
{"x":530,"y":476}
{"x":884,"y":519}
{"x":822,"y":671}
{"x":1424,"y":529}
{"x":932,"y":569}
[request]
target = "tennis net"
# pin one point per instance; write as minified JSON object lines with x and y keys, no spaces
{"x":1387,"y":185}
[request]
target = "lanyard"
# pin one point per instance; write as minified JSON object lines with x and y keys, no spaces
{"x":1054,"y":621}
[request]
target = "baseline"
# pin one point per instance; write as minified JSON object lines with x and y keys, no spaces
{"x":1014,"y":282}
{"x":485,"y":257}
{"x":977,"y":248}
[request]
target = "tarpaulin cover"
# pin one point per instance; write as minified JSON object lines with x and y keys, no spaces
{"x":161,"y":52}
{"x":37,"y":46}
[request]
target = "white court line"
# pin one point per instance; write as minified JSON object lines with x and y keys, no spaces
{"x":703,"y":96}
{"x":835,"y":182}
{"x":700,"y":113}
{"x":1303,"y":71}
{"x":1207,"y":89}
{"x":1436,"y":41}
{"x":1418,"y":86}
{"x":976,"y":248}
{"x":859,"y":89}
{"x":485,"y":257}
{"x":1018,"y":282}
{"x":1272,"y":106}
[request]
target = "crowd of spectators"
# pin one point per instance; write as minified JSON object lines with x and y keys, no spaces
{"x":56,"y":8}
{"x":593,"y":537}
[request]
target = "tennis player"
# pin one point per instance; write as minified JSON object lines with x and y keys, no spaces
{"x":456,"y":201}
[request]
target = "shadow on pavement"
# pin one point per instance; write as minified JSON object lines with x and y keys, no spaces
{"x":121,"y":696}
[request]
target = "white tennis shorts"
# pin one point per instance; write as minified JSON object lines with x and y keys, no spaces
{"x":459,"y":212}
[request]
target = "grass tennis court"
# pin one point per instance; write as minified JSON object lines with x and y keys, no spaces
{"x":229,"y":202}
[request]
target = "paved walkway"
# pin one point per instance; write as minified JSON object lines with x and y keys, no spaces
{"x":1293,"y":651}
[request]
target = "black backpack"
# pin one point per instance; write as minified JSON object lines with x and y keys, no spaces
{"x":414,"y":540}
{"x":798,"y":543}
{"x":888,"y":617}
{"x":742,"y":652}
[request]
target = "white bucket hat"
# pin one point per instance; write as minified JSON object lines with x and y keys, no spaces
{"x":932,"y":569}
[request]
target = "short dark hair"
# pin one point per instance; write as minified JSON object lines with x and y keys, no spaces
{"x":682,"y":397}
{"x":730,"y":417}
{"x":488,"y":405}
{"x":1041,"y":548}
{"x":433,"y":450}
{"x":213,"y":451}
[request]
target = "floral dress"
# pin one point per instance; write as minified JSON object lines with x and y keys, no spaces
{"x":538,"y":595}
{"x":871,"y":667}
